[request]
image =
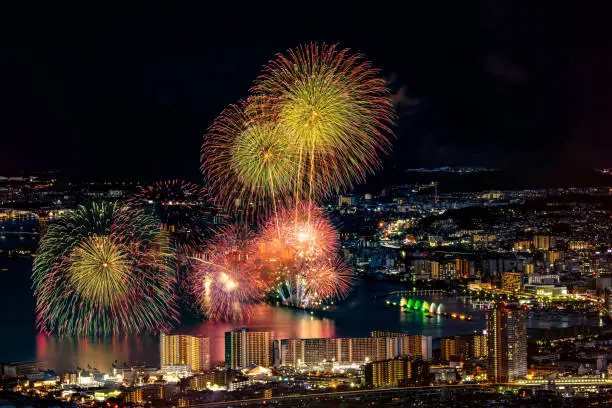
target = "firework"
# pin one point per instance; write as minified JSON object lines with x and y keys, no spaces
{"x":183,"y":208}
{"x":310,"y":283}
{"x":302,"y":233}
{"x":225,"y":282}
{"x":297,"y":253}
{"x":334,"y":108}
{"x":327,"y":279}
{"x":104,"y":268}
{"x":247,"y":161}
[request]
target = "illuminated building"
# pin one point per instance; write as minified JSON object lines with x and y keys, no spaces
{"x":550,"y":279}
{"x":394,"y":372}
{"x":452,"y":346}
{"x":578,"y":245}
{"x":477,"y":345}
{"x":70,"y":378}
{"x":209,"y":380}
{"x":134,"y":396}
{"x":511,"y":281}
{"x":547,"y":290}
{"x":463,"y":268}
{"x":347,"y":200}
{"x":553,"y":256}
{"x":354,"y":350}
{"x":415,"y":345}
{"x":181,"y":349}
{"x":506,"y":344}
{"x":23,"y":368}
{"x":542,"y":242}
{"x":432,"y":268}
{"x":143,"y":394}
{"x":244,"y":347}
{"x":522,"y":246}
{"x":483,"y":239}
{"x":529,"y":268}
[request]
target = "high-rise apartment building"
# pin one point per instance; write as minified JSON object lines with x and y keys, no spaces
{"x":477,"y":345}
{"x":453,"y":346}
{"x":506,"y":344}
{"x":397,"y":371}
{"x":464,"y":268}
{"x":182,"y":349}
{"x":354,"y":350}
{"x":244,"y":347}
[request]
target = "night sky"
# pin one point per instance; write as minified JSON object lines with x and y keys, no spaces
{"x":128,"y":93}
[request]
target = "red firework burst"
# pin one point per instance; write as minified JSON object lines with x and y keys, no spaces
{"x":225,"y":281}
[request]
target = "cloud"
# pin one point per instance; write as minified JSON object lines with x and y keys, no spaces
{"x":399,"y":94}
{"x":402,"y":100}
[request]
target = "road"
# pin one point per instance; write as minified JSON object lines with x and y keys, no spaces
{"x":329,"y":395}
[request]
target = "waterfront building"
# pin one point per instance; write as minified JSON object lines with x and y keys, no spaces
{"x":185,"y":350}
{"x":453,"y":347}
{"x":464,"y":268}
{"x":415,"y":345}
{"x":477,"y":345}
{"x":506,"y":344}
{"x":244,"y":347}
{"x":395,"y":372}
{"x":353,"y":350}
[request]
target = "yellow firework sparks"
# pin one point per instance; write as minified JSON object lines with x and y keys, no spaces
{"x":334,"y":108}
{"x":247,"y":160}
{"x":99,"y":268}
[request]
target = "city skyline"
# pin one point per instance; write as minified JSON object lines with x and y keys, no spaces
{"x":209,"y":207}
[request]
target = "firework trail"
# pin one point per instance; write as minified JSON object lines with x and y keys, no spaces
{"x":104,"y":268}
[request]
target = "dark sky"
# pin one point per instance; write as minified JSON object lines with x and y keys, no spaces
{"x":129,"y":92}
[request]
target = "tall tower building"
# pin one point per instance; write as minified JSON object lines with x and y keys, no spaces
{"x":244,"y":347}
{"x":182,"y":349}
{"x":506,"y":344}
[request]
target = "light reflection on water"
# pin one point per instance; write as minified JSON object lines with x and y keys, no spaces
{"x":356,"y":317}
{"x":66,"y":353}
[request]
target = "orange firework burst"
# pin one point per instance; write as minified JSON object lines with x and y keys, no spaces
{"x":334,"y":107}
{"x":327,"y":279}
{"x":297,"y":254}
{"x":299,"y":234}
